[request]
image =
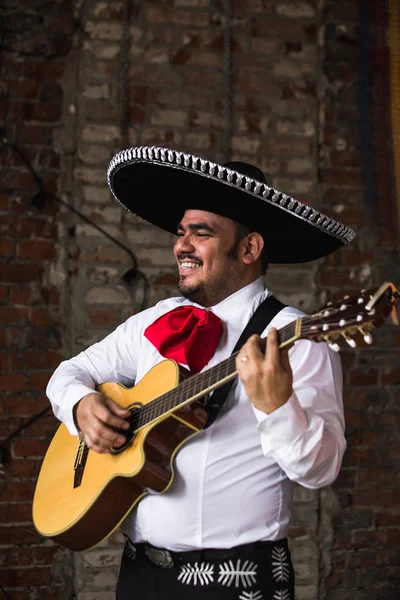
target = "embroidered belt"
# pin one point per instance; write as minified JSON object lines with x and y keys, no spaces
{"x":166,"y":559}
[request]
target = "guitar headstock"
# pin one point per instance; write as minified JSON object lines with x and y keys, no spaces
{"x":352,"y":317}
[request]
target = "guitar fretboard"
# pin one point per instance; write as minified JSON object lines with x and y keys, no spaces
{"x":197,"y":386}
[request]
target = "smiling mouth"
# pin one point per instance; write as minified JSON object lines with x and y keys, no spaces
{"x":188,"y":265}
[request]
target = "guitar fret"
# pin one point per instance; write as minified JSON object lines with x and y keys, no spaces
{"x":194,"y":385}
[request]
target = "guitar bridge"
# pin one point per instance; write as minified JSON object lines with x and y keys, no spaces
{"x":80,"y":462}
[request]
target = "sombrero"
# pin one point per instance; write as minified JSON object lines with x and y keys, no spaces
{"x":158,"y":184}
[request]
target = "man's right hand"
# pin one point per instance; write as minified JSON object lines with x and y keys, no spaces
{"x":98,"y":417}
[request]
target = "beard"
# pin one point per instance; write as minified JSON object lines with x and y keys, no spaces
{"x":209,"y":293}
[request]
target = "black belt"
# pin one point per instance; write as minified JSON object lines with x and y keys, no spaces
{"x":166,"y":559}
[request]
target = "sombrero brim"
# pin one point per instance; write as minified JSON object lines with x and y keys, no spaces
{"x":159,"y":184}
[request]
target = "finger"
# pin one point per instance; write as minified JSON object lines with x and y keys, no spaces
{"x":285,"y":362}
{"x":117,"y":410}
{"x":272,"y":353}
{"x":252,"y":348}
{"x":103,"y":438}
{"x":103,"y":413}
{"x":117,"y":417}
{"x":97,"y":446}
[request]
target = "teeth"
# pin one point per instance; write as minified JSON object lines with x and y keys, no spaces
{"x":187,"y":265}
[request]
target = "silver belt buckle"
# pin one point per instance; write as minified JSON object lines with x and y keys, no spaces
{"x":160,"y":558}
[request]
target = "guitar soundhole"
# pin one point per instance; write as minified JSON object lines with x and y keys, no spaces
{"x":130,"y":433}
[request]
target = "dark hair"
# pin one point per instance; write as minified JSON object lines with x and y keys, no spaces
{"x":241,"y":232}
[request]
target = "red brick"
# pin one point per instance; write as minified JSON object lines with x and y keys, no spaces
{"x":287,"y":147}
{"x":17,"y":557}
{"x":390,"y":376}
{"x":7,"y":248}
{"x":16,"y":337}
{"x":103,"y":317}
{"x":108,"y":254}
{"x":50,"y":295}
{"x":22,"y":294}
{"x":138,"y":94}
{"x":39,"y":381}
{"x":39,"y":227}
{"x":21,"y":272}
{"x":36,"y":249}
{"x":48,"y":158}
{"x":38,"y":70}
{"x":41,"y":317}
{"x":25,"y":448}
{"x":389,"y":499}
{"x":19,"y":491}
{"x":356,"y":257}
{"x":13,"y":382}
{"x":377,"y":537}
{"x":187,"y":18}
{"x":37,"y":133}
{"x":23,"y":88}
{"x":29,"y":577}
{"x":96,"y":109}
{"x":39,"y":359}
{"x":16,"y":513}
{"x":4,"y":293}
{"x":363,"y":377}
{"x":339,"y":177}
{"x":46,"y":554}
{"x":23,"y":467}
{"x":336,"y":277}
{"x":4,"y":201}
{"x":26,"y":405}
{"x":8,"y":361}
{"x":12,"y":316}
{"x":17,"y":179}
{"x":345,"y":158}
{"x":386,"y":518}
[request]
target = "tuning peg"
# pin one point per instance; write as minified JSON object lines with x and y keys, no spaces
{"x":334,"y":346}
{"x":329,"y":340}
{"x":349,"y":340}
{"x":367,"y":336}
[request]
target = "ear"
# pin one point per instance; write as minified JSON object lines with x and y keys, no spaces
{"x":252,"y":247}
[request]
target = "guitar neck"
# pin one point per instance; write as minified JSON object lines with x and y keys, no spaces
{"x":198,"y":385}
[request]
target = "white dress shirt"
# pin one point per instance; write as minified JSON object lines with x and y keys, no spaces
{"x":233,"y":481}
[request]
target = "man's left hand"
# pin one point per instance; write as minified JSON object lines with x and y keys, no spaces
{"x":267,"y":378}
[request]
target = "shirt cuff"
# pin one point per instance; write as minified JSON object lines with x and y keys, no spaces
{"x":283,"y":426}
{"x":65,"y":412}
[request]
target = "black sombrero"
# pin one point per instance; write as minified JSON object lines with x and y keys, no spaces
{"x":158,"y":184}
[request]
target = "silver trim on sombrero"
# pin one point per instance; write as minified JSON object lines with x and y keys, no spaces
{"x":206,"y":168}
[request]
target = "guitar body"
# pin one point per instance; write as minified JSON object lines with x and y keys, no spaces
{"x":81,"y":516}
{"x":81,"y":496}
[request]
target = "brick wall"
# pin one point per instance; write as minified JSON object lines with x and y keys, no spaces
{"x":295,"y":111}
{"x":365,"y":556}
{"x":35,"y":46}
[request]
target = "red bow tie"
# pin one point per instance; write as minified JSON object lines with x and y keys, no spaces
{"x":186,"y":334}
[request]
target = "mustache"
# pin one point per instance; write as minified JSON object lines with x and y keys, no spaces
{"x":188,"y":256}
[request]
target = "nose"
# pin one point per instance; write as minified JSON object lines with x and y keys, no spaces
{"x":184,"y":243}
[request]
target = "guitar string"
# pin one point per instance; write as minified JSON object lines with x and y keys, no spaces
{"x":174,"y":396}
{"x":190,"y":387}
{"x":199,"y":382}
{"x":151,"y":411}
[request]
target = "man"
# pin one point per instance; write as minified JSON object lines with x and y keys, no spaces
{"x":220,"y":529}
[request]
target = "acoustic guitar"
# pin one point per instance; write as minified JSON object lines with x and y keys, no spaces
{"x":82,"y":496}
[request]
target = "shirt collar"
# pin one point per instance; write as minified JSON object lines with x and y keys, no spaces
{"x":244,"y":297}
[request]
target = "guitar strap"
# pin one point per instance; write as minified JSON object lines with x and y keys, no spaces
{"x":257,"y":323}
